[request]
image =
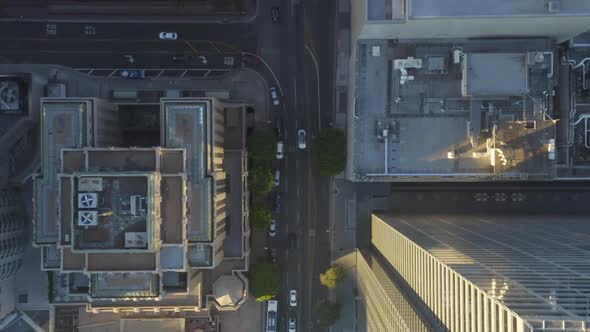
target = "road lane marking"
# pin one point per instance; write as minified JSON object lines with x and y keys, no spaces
{"x":191,"y":46}
{"x":270,"y":69}
{"x":215,"y":47}
{"x":295,"y":92}
{"x":317,"y":72}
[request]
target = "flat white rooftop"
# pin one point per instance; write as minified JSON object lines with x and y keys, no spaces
{"x":474,"y":8}
{"x":396,"y":9}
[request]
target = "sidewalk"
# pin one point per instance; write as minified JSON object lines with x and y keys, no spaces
{"x":80,"y":13}
{"x":344,"y":294}
{"x":343,"y":200}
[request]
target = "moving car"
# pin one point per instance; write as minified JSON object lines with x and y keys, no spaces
{"x":292,"y":325}
{"x":251,"y":59}
{"x":293,"y":298}
{"x":301,"y":139}
{"x":292,"y":241}
{"x":168,"y":35}
{"x":274,"y":96}
{"x":272,"y":231}
{"x":183,"y":58}
{"x":275,"y":15}
{"x":135,"y":74}
{"x":280,"y":150}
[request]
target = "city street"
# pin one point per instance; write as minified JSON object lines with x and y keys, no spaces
{"x":306,"y":75}
{"x":297,"y":56}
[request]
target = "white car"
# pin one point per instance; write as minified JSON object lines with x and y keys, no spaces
{"x":168,"y":35}
{"x":280,"y":150}
{"x":272,"y":230}
{"x":274,"y":96}
{"x":301,"y":139}
{"x":292,"y":324}
{"x":293,"y":298}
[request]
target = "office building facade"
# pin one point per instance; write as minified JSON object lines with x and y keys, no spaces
{"x":12,"y":237}
{"x":492,"y":273}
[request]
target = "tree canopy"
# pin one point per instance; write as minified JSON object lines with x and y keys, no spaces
{"x":261,"y":215}
{"x":261,"y":180}
{"x":332,"y":276}
{"x":327,"y":312}
{"x":261,"y":147}
{"x":264,"y":281}
{"x":331,"y":152}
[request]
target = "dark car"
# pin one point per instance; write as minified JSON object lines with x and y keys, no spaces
{"x":276,"y":16}
{"x":251,"y":59}
{"x":276,"y":204}
{"x":279,"y":128}
{"x":292,"y":241}
{"x":183,"y":58}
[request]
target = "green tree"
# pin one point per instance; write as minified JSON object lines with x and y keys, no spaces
{"x":261,"y":147}
{"x":332,"y":276}
{"x":261,"y":180}
{"x":264,"y":281}
{"x":261,"y":215}
{"x":327,"y":312}
{"x":331,"y":152}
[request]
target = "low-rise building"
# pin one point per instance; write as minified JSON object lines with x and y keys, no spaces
{"x":138,"y":230}
{"x":478,"y":110}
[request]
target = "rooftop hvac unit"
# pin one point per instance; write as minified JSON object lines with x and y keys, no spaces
{"x":410,"y":62}
{"x":9,"y":96}
{"x":138,"y":205}
{"x":87,"y":200}
{"x":136,"y":240}
{"x":90,"y":184}
{"x":87,"y":218}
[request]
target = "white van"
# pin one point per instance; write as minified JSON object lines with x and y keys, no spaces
{"x":280,"y":150}
{"x":277,"y":177}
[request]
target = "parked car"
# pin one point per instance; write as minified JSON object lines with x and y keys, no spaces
{"x":280,"y":150}
{"x":275,"y":15}
{"x":301,"y":139}
{"x":279,"y":128}
{"x":168,"y":35}
{"x":274,"y":96}
{"x":272,"y":230}
{"x":292,"y":325}
{"x":277,"y":177}
{"x":293,"y":298}
{"x":276,"y":204}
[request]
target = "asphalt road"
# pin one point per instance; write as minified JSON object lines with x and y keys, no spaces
{"x":304,"y":63}
{"x":109,"y":45}
{"x":300,"y":53}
